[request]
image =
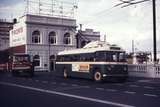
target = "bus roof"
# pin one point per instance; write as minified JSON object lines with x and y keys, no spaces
{"x":93,"y":47}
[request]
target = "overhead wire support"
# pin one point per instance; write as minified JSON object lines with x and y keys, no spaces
{"x":134,"y":2}
{"x":127,"y":3}
{"x":124,"y":2}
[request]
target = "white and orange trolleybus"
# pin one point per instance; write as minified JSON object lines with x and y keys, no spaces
{"x":97,"y":60}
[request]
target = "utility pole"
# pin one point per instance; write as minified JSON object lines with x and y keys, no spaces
{"x":125,"y":3}
{"x":154,"y":31}
{"x":49,"y":64}
{"x":133,"y":47}
{"x":105,"y":38}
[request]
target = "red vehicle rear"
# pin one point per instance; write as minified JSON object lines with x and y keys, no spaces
{"x":21,"y":65}
{"x":17,"y":64}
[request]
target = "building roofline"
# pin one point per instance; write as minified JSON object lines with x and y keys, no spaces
{"x":58,"y":25}
{"x":43,"y":16}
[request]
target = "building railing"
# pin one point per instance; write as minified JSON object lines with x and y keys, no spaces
{"x":157,"y":70}
{"x":144,"y":70}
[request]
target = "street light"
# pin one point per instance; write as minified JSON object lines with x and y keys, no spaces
{"x":49,"y":43}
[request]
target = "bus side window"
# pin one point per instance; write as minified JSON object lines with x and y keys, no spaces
{"x":115,"y":57}
{"x":85,"y":57}
{"x":67,"y":58}
{"x":75,"y":58}
{"x":59,"y":58}
{"x":90,"y":57}
{"x":98,"y":56}
{"x":62,"y":58}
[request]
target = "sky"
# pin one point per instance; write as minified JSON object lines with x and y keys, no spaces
{"x":120,"y":25}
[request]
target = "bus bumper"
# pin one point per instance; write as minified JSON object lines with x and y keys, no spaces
{"x":117,"y":77}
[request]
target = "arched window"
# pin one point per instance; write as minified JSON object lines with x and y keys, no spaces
{"x":36,"y":60}
{"x":36,"y":37}
{"x":67,"y":39}
{"x":52,"y":38}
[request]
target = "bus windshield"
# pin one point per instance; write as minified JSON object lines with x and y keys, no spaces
{"x":110,"y":56}
{"x":21,"y":59}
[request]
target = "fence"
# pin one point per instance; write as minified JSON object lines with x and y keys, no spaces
{"x":144,"y":70}
{"x":157,"y":71}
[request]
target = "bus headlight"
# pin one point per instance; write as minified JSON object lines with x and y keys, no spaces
{"x":104,"y":75}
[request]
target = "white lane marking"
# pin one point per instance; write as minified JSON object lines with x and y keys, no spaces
{"x":133,"y":85}
{"x":30,"y":79}
{"x":151,"y":95}
{"x":75,"y":85}
{"x":23,"y":78}
{"x":152,"y":82}
{"x":37,"y":80}
{"x":111,"y":90}
{"x":68,"y":95}
{"x":9,"y":75}
{"x":148,"y":87}
{"x":64,"y":84}
{"x":86,"y":86}
{"x":69,"y":88}
{"x":45,"y":82}
{"x":53,"y":83}
{"x":144,"y":80}
{"x":129,"y":92}
{"x":100,"y":89}
{"x":119,"y":84}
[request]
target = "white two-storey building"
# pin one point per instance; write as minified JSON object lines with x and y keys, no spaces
{"x":43,"y":37}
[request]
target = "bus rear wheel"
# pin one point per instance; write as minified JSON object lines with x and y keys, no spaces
{"x":97,"y":76}
{"x":65,"y":75}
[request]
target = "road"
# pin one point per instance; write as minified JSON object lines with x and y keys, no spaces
{"x":47,"y":90}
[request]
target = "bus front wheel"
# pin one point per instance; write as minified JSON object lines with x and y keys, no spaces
{"x":97,"y":76}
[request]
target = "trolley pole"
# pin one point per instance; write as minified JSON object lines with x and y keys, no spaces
{"x":154,"y":31}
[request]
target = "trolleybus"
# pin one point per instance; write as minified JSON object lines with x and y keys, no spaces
{"x":97,"y":60}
